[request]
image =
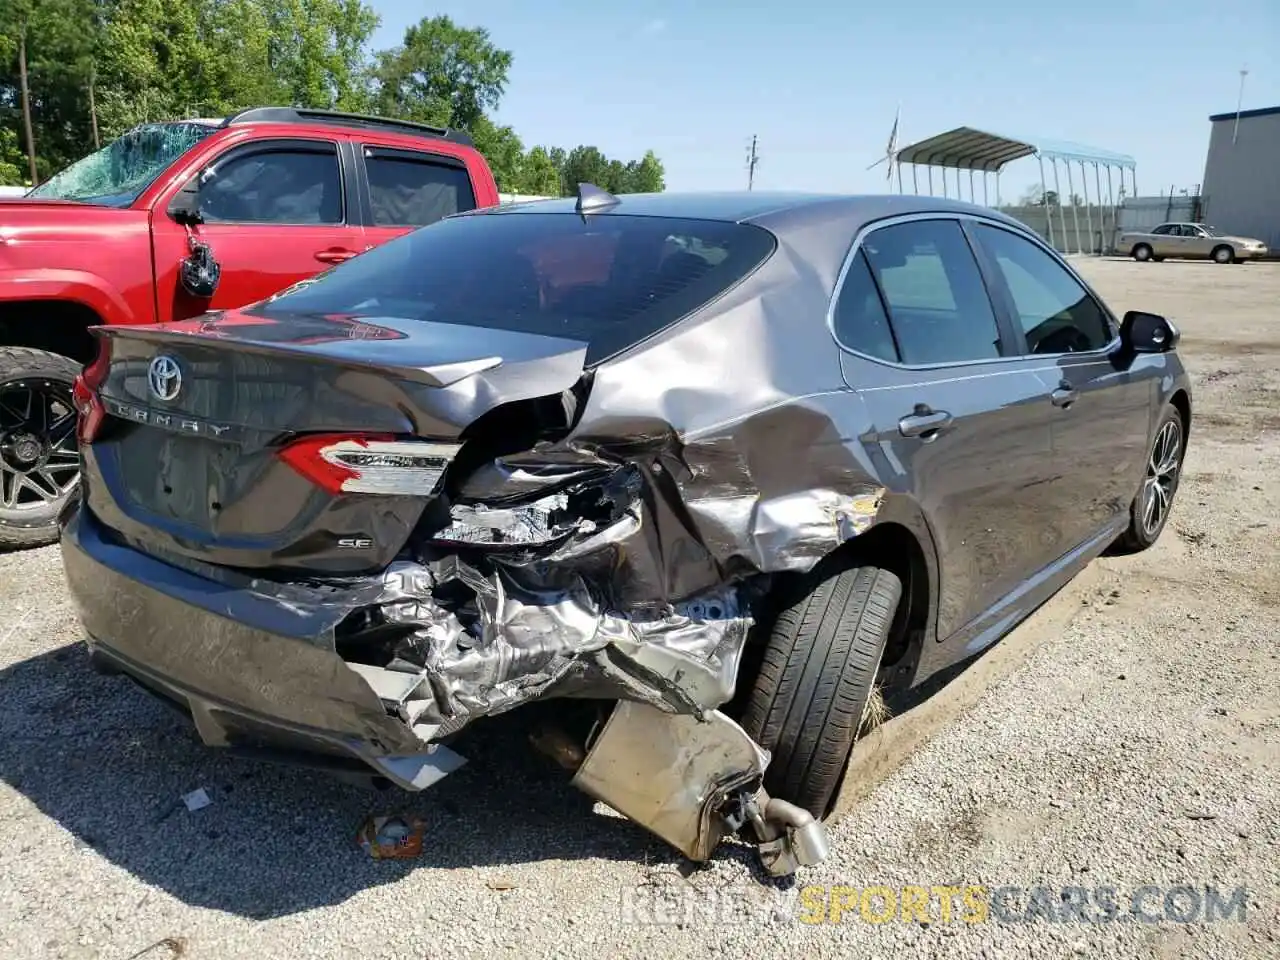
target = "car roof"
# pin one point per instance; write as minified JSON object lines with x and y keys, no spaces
{"x":770,"y":209}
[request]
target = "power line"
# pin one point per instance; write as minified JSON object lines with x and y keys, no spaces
{"x":753,"y":158}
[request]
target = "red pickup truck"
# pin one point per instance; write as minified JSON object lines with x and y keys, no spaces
{"x":175,"y":219}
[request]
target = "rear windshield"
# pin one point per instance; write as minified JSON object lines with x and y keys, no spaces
{"x":610,"y":282}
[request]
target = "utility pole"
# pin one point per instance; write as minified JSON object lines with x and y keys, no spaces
{"x":752,"y":159}
{"x":26,"y":104}
{"x":1239,"y":101}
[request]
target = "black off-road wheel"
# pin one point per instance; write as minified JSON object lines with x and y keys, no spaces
{"x":1149,"y":511}
{"x":817,"y":674}
{"x":39,"y":461}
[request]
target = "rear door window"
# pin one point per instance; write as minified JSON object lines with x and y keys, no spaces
{"x":938,"y":304}
{"x":609,"y":281}
{"x":860,"y":321}
{"x":414,"y":190}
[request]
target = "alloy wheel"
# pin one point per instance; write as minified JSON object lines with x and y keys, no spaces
{"x":1162,"y":477}
{"x":39,"y":461}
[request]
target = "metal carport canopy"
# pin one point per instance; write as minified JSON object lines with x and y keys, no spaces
{"x":965,"y":148}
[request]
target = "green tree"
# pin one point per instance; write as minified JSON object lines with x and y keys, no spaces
{"x":646,"y":175}
{"x":13,"y":161}
{"x":166,"y":59}
{"x":95,"y":68}
{"x":504,"y":152}
{"x":539,"y":175}
{"x":318,"y":50}
{"x":442,"y":73}
{"x":583,"y":165}
{"x":54,"y":39}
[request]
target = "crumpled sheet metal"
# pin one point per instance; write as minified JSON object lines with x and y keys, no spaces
{"x":546,"y":637}
{"x":730,"y":430}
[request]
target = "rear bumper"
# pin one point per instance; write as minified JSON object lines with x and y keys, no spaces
{"x":255,"y":672}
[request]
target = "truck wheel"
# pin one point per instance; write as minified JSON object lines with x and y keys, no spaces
{"x":39,"y":462}
{"x":817,"y":674}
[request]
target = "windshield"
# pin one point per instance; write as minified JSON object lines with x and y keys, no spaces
{"x":607,"y":281}
{"x":115,"y":175}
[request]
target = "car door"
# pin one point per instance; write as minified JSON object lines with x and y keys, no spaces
{"x":1101,"y":404}
{"x":406,"y":189}
{"x":1198,"y":242}
{"x":1165,"y":240}
{"x":273,"y":212}
{"x":959,"y":420}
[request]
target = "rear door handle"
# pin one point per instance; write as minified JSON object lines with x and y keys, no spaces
{"x":924,"y":424}
{"x":334,"y":255}
{"x":1065,"y":395}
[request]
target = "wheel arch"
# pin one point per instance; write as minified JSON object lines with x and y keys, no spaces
{"x":54,"y":325}
{"x":902,"y":543}
{"x":1181,"y":401}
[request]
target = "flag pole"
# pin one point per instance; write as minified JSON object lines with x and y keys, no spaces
{"x":892,"y":153}
{"x":1235,"y":131}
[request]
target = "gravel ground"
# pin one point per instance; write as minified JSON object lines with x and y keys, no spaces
{"x":1127,"y":736}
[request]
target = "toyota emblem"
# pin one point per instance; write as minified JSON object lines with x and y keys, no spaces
{"x":165,"y":378}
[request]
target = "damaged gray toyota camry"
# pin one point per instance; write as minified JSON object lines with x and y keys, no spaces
{"x":708,"y":473}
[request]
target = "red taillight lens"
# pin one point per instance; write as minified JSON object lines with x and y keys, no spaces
{"x":363,"y":463}
{"x":84,"y":394}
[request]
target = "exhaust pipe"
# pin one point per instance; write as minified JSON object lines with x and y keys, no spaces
{"x":790,"y":837}
{"x":806,"y":836}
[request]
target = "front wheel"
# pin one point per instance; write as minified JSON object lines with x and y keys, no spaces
{"x":39,"y":462}
{"x":816,"y":679}
{"x":1149,"y":511}
{"x":1223,"y":254}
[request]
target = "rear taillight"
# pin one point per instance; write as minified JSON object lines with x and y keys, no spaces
{"x":342,"y":463}
{"x":84,"y":394}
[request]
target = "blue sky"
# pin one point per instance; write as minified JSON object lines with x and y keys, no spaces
{"x":819,"y":81}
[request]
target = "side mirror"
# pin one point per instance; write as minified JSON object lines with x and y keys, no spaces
{"x":1147,"y":333}
{"x":185,"y":206}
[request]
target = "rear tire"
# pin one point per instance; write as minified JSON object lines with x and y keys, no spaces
{"x":818,"y":672}
{"x":39,"y":466}
{"x":1150,"y":509}
{"x":1223,"y":254}
{"x":1141,"y":253}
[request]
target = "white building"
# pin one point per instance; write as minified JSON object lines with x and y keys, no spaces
{"x":1241,"y":189}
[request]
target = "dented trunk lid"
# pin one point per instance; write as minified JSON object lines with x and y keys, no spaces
{"x":191,"y":466}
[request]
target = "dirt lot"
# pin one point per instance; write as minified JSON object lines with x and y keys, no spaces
{"x":1128,"y":736}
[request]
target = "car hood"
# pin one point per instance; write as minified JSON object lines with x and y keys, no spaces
{"x":42,"y":221}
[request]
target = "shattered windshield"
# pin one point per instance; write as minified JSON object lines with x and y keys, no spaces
{"x":115,"y":175}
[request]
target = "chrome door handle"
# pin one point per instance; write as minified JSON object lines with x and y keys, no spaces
{"x":1065,"y":395}
{"x":924,"y":424}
